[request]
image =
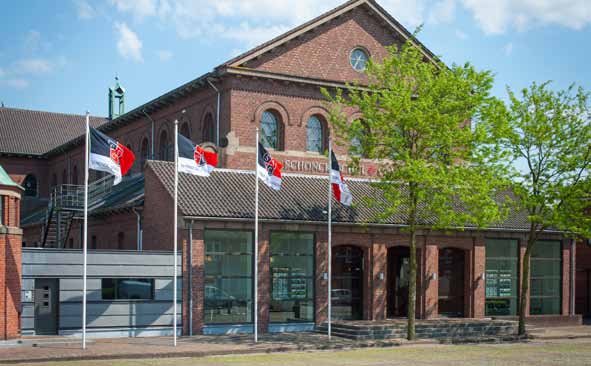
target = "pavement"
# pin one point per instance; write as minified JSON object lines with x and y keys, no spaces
{"x":35,"y":349}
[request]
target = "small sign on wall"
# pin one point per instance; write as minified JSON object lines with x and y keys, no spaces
{"x":28,"y":296}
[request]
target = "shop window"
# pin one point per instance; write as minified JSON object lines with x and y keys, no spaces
{"x":546,"y":278}
{"x":315,"y":135}
{"x":228,"y":277}
{"x":270,"y":130}
{"x":502,"y":277}
{"x":127,"y":289}
{"x":208,"y":133}
{"x":292,"y":277}
{"x":30,"y":185}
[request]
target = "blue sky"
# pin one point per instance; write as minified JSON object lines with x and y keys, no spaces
{"x":63,"y":55}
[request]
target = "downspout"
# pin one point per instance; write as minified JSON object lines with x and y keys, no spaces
{"x":139,"y":229}
{"x":152,"y":139}
{"x":217,"y":134}
{"x":190,"y":278}
{"x":573,"y":244}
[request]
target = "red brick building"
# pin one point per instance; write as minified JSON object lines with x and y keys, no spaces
{"x":275,"y":86}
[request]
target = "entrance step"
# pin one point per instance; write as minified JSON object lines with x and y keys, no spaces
{"x":425,"y":329}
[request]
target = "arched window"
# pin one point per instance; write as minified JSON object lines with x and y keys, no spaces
{"x":144,"y":153}
{"x":30,"y":185}
{"x":356,"y":148}
{"x":163,"y":149}
{"x":75,"y":175}
{"x":315,"y":135}
{"x":208,"y":133}
{"x":270,"y":130}
{"x":185,"y":130}
{"x":64,"y":177}
{"x":120,"y":240}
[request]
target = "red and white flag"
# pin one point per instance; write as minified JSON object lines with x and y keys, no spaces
{"x":339,"y":188}
{"x":108,"y":155}
{"x":268,"y":169}
{"x":194,"y":160}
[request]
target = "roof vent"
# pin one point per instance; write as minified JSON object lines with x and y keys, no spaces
{"x":116,"y":93}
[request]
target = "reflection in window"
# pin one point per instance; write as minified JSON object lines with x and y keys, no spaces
{"x":502,"y":276}
{"x":228,"y":276}
{"x":314,"y":135}
{"x":30,"y":185}
{"x":269,"y":130}
{"x":546,"y":278}
{"x":292,"y":277}
{"x":127,"y":289}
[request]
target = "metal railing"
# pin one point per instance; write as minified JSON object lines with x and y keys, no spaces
{"x":71,"y":197}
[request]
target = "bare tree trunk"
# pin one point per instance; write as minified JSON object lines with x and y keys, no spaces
{"x":525,"y":280}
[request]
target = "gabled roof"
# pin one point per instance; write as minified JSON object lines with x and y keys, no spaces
{"x":34,"y":133}
{"x":323,"y":18}
{"x":229,"y":194}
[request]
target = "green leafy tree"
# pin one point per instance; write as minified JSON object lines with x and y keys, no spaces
{"x":548,"y":142}
{"x":430,"y":129}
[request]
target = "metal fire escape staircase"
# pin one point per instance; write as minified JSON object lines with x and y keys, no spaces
{"x":66,"y":203}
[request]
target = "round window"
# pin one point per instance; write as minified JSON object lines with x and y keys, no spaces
{"x":359,"y":59}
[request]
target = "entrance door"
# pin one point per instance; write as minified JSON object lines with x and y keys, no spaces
{"x":347,"y":283}
{"x":46,"y":306}
{"x":398,"y":278}
{"x":451,"y":282}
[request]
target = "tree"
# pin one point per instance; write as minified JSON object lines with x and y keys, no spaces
{"x":430,"y":129}
{"x":548,"y":142}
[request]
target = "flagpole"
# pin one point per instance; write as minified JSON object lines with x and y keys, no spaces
{"x":329,"y":238}
{"x":85,"y":229}
{"x":174,"y":229}
{"x":256,"y":240}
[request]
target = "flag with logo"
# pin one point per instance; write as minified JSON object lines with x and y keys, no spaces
{"x":339,"y":188}
{"x":268,"y":169}
{"x":108,"y":155}
{"x":193,"y":159}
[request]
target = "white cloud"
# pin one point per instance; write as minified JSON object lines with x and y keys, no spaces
{"x":442,"y":11}
{"x":15,"y":83}
{"x":497,"y":17}
{"x":128,"y":44}
{"x":84,"y":10}
{"x":509,"y":49}
{"x":33,"y":66}
{"x":165,"y":55}
{"x":461,"y":35}
{"x":138,"y":8}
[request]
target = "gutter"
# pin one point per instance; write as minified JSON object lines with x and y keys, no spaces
{"x":310,"y":222}
{"x":139,"y":229}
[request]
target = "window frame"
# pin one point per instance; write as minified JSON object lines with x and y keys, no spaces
{"x":559,"y":259}
{"x":517,"y":259}
{"x":34,"y":177}
{"x":251,"y":276}
{"x":367,"y":56}
{"x":311,"y":277}
{"x":116,"y":289}
{"x":278,"y":129}
{"x":323,"y":134}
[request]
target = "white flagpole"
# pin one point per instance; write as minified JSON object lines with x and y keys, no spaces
{"x":256,"y":240}
{"x":85,"y":228}
{"x":174,"y":229}
{"x":329,"y":238}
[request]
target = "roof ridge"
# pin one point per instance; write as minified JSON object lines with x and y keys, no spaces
{"x":50,"y":112}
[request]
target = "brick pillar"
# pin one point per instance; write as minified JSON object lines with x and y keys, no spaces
{"x":522,"y":248}
{"x":478,"y":288}
{"x":10,"y":265}
{"x":379,"y":275}
{"x":264,"y":294}
{"x":367,"y":282}
{"x":565,"y":276}
{"x":198,"y":282}
{"x":431,"y":286}
{"x":320,"y":284}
